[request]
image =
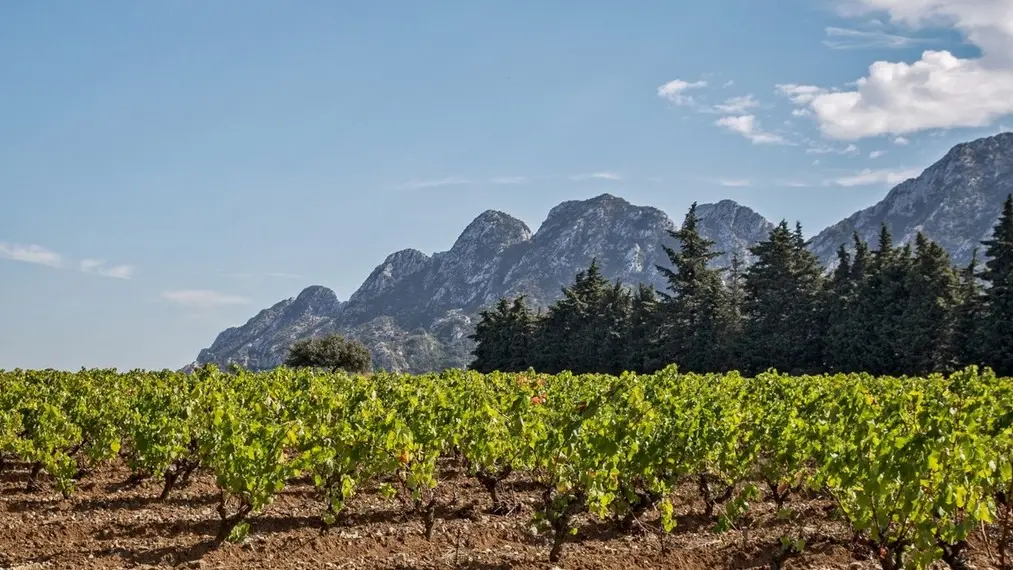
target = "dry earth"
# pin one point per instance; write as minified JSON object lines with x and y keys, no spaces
{"x":110,"y":524}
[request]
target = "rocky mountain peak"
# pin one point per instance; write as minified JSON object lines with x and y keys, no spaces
{"x":314,"y":300}
{"x":733,"y":227}
{"x":955,"y":202}
{"x":394,"y":269}
{"x":492,"y":229}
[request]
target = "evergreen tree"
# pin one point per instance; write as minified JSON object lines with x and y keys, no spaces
{"x":585,"y":330}
{"x":878,"y":310}
{"x":783,"y":289}
{"x":927,"y":336}
{"x":694,"y":315}
{"x":504,"y":337}
{"x":736,"y":306}
{"x":642,"y":350}
{"x":967,"y":322}
{"x":997,"y":340}
{"x":838,"y":301}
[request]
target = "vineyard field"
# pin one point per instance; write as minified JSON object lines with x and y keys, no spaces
{"x":300,"y":469}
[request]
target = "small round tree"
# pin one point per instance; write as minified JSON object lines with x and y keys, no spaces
{"x":333,"y":352}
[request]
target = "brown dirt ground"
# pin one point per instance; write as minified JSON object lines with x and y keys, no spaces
{"x":107,"y":524}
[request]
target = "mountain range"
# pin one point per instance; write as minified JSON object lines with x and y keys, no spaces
{"x":415,"y":311}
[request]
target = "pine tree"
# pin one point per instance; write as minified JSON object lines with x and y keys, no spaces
{"x":997,"y":338}
{"x":927,"y":336}
{"x":694,"y":315}
{"x":783,"y":292}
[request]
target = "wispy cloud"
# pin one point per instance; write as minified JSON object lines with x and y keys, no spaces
{"x":30,"y":253}
{"x":730,"y":182}
{"x":749,"y":127}
{"x":675,"y":91}
{"x":459,"y":181}
{"x":901,"y":141}
{"x":433,"y":183}
{"x":820,"y":148}
{"x":876,"y":154}
{"x":795,"y":184}
{"x":869,"y":176}
{"x":509,"y":180}
{"x":99,"y":267}
{"x":605,"y":175}
{"x":737,"y":105}
{"x":851,"y":38}
{"x":203,"y":298}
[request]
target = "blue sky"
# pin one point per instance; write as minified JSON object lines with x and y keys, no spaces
{"x":168,"y":169}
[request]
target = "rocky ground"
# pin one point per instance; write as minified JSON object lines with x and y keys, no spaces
{"x":110,"y":524}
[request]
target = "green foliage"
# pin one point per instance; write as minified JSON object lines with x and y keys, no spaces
{"x":332,"y":352}
{"x":696,"y":315}
{"x":913,"y":464}
{"x":998,"y":275}
{"x":782,"y":305}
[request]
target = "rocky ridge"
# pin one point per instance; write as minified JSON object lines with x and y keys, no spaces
{"x":415,"y":311}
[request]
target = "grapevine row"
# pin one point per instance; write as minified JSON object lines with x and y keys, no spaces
{"x":914,"y":465}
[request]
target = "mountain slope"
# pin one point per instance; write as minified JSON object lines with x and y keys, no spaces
{"x":415,"y":311}
{"x":955,"y":202}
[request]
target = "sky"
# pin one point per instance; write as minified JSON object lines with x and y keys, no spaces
{"x":168,"y":169}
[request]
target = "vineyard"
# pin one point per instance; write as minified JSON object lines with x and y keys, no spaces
{"x":911,"y":472}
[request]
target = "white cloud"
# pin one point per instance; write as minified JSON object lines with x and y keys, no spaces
{"x":30,"y":253}
{"x":876,"y":154}
{"x":850,"y":149}
{"x":939,"y":90}
{"x":203,"y":298}
{"x":98,"y":267}
{"x":737,"y":105}
{"x":597,"y":176}
{"x":729,"y":83}
{"x":850,"y":38}
{"x":675,"y":91}
{"x":868,"y":177}
{"x":901,"y":141}
{"x":749,"y":127}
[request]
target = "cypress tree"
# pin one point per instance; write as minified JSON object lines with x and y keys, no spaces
{"x":584,"y":330}
{"x":504,"y":337}
{"x":997,"y":339}
{"x":967,"y":322}
{"x":877,"y":313}
{"x":930,"y":315}
{"x":642,"y":350}
{"x":838,"y":302}
{"x":783,"y":289}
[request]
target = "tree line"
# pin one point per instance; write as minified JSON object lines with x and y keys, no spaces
{"x":884,"y":309}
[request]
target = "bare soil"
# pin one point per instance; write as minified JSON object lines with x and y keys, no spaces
{"x":109,"y":523}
